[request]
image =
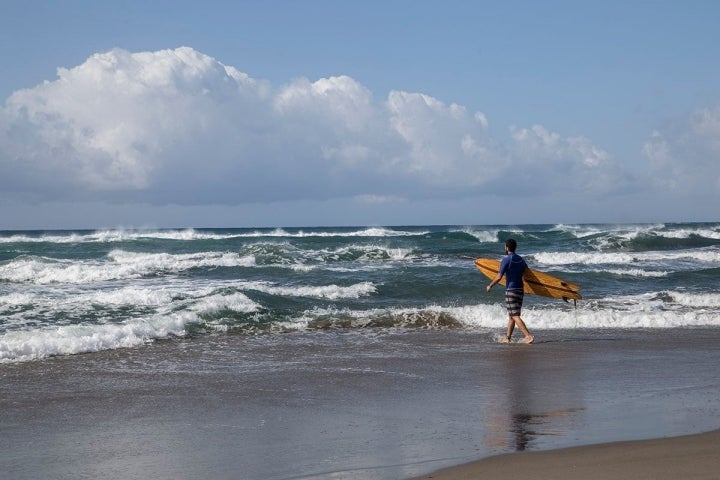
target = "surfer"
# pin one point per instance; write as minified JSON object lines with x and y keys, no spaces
{"x":513,"y":266}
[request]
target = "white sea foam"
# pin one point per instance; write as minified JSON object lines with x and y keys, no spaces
{"x":642,"y":313}
{"x":286,"y":255}
{"x":190,"y":234}
{"x":118,"y":265}
{"x":366,"y":232}
{"x":649,"y":310}
{"x":709,"y":255}
{"x":237,"y":302}
{"x":569,"y":319}
{"x":702,"y":300}
{"x":331,"y":292}
{"x":645,"y":311}
{"x":578,"y":231}
{"x":164,"y":299}
{"x":78,"y":297}
{"x":15,"y":299}
{"x":690,"y":232}
{"x":607,"y":233}
{"x":636,"y":272}
{"x":301,"y":267}
{"x":34,"y":343}
{"x":145,"y":296}
{"x":627,"y":232}
{"x":630,"y":232}
{"x":361,"y":253}
{"x":179,"y":262}
{"x":633,"y":232}
{"x":482,"y":236}
{"x":71,"y":339}
{"x":112,"y":236}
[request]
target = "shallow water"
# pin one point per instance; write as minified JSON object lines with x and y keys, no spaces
{"x":371,"y":404}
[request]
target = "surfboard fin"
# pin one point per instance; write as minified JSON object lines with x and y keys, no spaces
{"x":567,"y":300}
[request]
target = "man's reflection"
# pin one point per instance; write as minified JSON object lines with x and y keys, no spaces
{"x":535,"y":402}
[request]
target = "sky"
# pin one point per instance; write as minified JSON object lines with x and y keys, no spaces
{"x":175,"y":114}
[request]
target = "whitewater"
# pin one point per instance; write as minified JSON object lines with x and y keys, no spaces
{"x":73,"y":292}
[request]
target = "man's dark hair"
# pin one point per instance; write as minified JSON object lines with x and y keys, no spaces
{"x":511,"y":245}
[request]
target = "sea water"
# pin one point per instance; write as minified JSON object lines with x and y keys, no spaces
{"x":72,"y":292}
{"x":366,"y":353}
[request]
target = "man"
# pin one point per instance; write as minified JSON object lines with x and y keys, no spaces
{"x":512,"y":267}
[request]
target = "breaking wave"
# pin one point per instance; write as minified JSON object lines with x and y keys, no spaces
{"x":86,"y":291}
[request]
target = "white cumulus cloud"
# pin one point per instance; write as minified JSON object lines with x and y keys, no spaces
{"x":685,"y":156}
{"x":177,"y":126}
{"x":558,"y":161}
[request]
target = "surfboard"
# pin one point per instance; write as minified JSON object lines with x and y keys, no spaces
{"x":534,"y":282}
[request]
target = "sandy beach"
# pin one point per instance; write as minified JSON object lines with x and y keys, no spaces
{"x":366,"y":405}
{"x":687,"y":457}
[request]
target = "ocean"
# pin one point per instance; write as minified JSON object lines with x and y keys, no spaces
{"x":365,"y":353}
{"x":75,"y":292}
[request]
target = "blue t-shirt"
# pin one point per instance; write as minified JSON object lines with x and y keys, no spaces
{"x":513,"y":266}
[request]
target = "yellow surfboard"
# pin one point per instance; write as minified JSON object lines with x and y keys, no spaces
{"x":534,"y":282}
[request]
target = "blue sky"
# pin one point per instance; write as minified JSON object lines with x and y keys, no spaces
{"x":285,"y":113}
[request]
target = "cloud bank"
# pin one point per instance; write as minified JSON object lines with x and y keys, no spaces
{"x":685,"y":155}
{"x":177,"y":126}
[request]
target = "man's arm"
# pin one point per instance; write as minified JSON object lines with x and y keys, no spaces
{"x":495,"y":281}
{"x":501,"y":272}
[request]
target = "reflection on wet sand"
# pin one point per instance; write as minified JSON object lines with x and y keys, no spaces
{"x":527,"y":406}
{"x":527,"y":427}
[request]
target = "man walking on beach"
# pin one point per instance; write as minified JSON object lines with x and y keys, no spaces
{"x":513,"y":266}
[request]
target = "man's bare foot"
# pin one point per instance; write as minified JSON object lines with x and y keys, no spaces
{"x":529,"y":339}
{"x":505,"y":340}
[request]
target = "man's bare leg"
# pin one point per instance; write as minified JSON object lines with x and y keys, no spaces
{"x":510,"y":328}
{"x":521,"y":325}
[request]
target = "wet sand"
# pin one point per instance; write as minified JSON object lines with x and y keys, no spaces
{"x":686,"y":457}
{"x":353,"y":405}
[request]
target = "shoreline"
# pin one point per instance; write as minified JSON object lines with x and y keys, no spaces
{"x":353,"y":405}
{"x":688,"y":456}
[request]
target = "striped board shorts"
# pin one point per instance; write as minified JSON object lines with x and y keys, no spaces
{"x":513,"y":302}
